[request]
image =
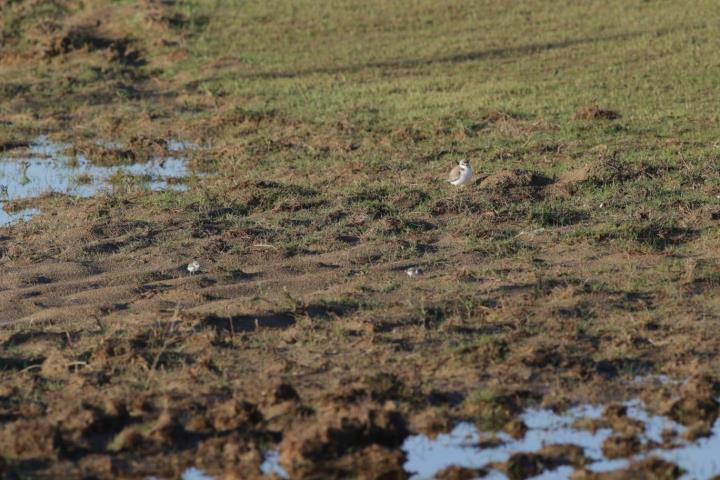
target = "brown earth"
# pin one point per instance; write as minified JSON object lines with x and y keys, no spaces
{"x":117,"y":361}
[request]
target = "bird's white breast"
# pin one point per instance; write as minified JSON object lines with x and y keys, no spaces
{"x":465,"y":175}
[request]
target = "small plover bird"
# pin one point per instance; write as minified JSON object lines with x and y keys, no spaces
{"x":193,"y":266}
{"x":461,"y":174}
{"x":413,"y":271}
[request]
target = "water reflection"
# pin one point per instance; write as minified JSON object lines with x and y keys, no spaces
{"x":48,"y":170}
{"x":466,"y":446}
{"x":461,"y":447}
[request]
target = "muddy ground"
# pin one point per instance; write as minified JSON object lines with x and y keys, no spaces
{"x":583,"y":256}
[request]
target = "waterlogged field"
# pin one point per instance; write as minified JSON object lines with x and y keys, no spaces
{"x":563,"y":318}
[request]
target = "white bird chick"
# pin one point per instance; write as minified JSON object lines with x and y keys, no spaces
{"x":460,"y":174}
{"x":413,"y":271}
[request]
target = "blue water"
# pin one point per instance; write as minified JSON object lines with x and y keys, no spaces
{"x":47,"y":170}
{"x":426,"y":456}
{"x":460,"y":447}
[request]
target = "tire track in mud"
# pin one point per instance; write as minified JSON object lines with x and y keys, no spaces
{"x":65,"y":290}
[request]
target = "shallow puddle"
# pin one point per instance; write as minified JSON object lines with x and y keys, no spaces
{"x":195,"y":474}
{"x":700,"y":459}
{"x":426,"y":457}
{"x":272,"y":465}
{"x":462,"y":446}
{"x":46,"y":170}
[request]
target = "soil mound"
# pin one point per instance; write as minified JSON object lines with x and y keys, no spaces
{"x":337,"y":433}
{"x":510,"y":179}
{"x":594,"y":112}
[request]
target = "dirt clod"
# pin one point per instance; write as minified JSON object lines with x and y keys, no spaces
{"x":335,"y":432}
{"x":594,"y":112}
{"x":565,"y":454}
{"x":28,"y":439}
{"x":460,"y":473}
{"x":284,"y":392}
{"x":516,"y":428}
{"x":233,"y":414}
{"x":697,"y":402}
{"x":525,"y":465}
{"x":651,"y":468}
{"x":621,"y":446}
{"x":512,"y":179}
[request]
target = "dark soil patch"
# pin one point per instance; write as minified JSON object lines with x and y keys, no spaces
{"x":6,"y":145}
{"x":650,"y":468}
{"x":621,"y":446}
{"x":509,"y":179}
{"x":697,"y":402}
{"x":247,"y":323}
{"x":594,"y":112}
{"x":88,"y":39}
{"x":338,"y":431}
{"x":460,"y":473}
{"x":525,"y":465}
